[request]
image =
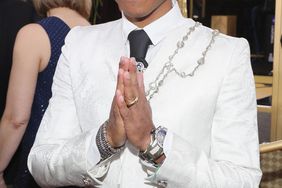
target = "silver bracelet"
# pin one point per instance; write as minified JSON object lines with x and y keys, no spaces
{"x":104,"y":147}
{"x":155,"y":149}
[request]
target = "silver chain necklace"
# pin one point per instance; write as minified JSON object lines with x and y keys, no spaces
{"x":169,"y":67}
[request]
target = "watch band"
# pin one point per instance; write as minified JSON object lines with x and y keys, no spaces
{"x":155,"y":149}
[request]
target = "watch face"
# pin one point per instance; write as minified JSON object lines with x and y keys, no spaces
{"x":160,"y":135}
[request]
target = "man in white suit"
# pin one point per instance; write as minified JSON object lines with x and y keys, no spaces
{"x":188,"y":120}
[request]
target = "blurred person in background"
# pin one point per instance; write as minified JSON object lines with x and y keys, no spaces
{"x":14,"y":14}
{"x":36,"y":52}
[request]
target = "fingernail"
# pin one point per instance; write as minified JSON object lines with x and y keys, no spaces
{"x":122,"y":58}
{"x":133,"y":61}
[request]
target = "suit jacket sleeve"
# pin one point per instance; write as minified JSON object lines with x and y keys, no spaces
{"x":60,"y":154}
{"x":233,"y":160}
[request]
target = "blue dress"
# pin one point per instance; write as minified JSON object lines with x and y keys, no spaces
{"x":57,"y":31}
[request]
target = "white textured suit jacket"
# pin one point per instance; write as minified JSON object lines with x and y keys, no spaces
{"x":211,"y":115}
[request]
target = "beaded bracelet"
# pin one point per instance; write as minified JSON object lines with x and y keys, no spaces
{"x":104,"y":147}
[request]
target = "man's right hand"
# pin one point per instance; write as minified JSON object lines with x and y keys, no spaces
{"x":115,"y":129}
{"x":2,"y":181}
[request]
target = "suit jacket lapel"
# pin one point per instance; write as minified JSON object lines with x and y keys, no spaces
{"x":114,"y":52}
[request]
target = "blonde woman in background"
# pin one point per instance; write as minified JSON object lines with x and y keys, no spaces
{"x":36,"y":52}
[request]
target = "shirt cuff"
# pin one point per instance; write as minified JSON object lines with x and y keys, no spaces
{"x":168,"y":142}
{"x":92,"y":156}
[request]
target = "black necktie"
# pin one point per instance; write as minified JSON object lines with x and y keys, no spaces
{"x":139,"y":42}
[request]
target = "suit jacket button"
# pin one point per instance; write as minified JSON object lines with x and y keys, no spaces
{"x":86,"y":181}
{"x":162,"y":183}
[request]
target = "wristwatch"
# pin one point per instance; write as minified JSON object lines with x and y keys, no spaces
{"x":155,"y":149}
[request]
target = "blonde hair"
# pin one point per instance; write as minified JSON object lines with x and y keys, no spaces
{"x":81,"y":6}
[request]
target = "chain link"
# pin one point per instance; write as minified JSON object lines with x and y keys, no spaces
{"x":169,"y":66}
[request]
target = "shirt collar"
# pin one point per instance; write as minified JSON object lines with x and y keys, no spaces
{"x":158,"y":29}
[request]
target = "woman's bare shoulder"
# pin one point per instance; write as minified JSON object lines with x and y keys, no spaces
{"x":32,"y":33}
{"x":32,"y":40}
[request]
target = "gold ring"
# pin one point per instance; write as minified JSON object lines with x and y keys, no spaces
{"x":131,"y":103}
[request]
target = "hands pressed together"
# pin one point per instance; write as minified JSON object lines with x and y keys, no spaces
{"x":130,"y":116}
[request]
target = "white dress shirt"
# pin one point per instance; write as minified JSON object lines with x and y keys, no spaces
{"x":211,"y":116}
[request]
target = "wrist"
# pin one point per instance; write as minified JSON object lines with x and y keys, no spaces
{"x":110,"y":138}
{"x":147,"y":141}
{"x":105,"y":149}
